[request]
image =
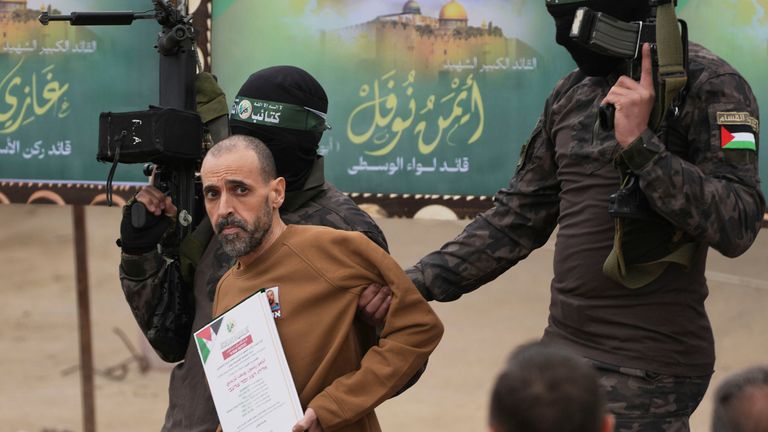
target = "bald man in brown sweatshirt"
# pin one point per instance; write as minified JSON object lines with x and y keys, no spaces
{"x":340,"y":371}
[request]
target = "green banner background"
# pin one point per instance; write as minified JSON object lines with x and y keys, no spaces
{"x":486,"y":91}
{"x":56,"y":79}
{"x":403,"y":121}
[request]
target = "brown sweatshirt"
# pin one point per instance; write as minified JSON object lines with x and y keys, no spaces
{"x":338,"y":371}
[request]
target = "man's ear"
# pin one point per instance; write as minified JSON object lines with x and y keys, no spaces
{"x":609,"y":422}
{"x":277,"y":190}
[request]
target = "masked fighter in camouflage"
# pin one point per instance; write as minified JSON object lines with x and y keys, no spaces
{"x":628,"y":292}
{"x":158,"y":303}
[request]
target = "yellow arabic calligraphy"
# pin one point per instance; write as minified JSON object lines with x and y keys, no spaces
{"x":385,"y":128}
{"x":17,"y":98}
{"x":469,"y":89}
{"x":390,"y":102}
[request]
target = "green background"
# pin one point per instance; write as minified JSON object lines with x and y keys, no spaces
{"x":120,"y":75}
{"x":248,"y":36}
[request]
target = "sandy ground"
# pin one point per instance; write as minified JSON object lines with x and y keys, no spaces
{"x":38,"y":328}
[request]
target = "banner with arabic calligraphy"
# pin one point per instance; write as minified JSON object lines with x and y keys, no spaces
{"x":438,"y":96}
{"x":427,"y":97}
{"x":56,"y":79}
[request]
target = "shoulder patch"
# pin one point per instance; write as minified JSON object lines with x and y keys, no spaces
{"x":737,"y":118}
{"x":737,"y":137}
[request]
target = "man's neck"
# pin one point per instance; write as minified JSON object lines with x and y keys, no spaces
{"x":278,"y":226}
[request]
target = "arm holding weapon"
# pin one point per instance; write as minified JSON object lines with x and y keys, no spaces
{"x":157,"y":282}
{"x":151,"y":277}
{"x":162,"y":215}
{"x":672,"y":162}
{"x":662,"y":31}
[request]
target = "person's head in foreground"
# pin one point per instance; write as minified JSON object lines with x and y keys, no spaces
{"x":741,"y":402}
{"x":544,"y":388}
{"x":242,"y":195}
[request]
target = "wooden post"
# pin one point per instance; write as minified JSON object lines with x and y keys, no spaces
{"x":84,"y":320}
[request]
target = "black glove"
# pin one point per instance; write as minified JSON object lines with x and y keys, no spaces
{"x":138,"y":241}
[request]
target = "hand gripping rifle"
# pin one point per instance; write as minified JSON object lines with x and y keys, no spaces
{"x":644,"y":243}
{"x":170,"y":135}
{"x":668,"y":38}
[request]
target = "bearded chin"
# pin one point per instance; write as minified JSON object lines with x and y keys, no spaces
{"x":242,"y":243}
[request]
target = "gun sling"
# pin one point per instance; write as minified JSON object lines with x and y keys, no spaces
{"x":672,"y":79}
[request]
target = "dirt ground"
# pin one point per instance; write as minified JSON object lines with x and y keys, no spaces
{"x":38,"y":328}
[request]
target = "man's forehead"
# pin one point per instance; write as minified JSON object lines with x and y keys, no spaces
{"x":230,"y":150}
{"x":230,"y":167}
{"x":240,"y":159}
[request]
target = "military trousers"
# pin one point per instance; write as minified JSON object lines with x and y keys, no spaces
{"x":650,"y":402}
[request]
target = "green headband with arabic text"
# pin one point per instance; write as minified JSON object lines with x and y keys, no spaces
{"x":277,"y":114}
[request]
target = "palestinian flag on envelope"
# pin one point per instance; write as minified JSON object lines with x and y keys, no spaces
{"x":737,"y":137}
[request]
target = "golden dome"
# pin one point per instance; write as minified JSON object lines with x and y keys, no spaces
{"x":453,"y":11}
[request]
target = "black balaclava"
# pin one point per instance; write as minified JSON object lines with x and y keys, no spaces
{"x":294,"y":150}
{"x":588,"y":61}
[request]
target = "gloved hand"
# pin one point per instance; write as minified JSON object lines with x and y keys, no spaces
{"x":160,"y":209}
{"x":138,"y":241}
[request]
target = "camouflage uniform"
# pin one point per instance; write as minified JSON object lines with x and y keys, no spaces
{"x":567,"y":171}
{"x":143,"y":279}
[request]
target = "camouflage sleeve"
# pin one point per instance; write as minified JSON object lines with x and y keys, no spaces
{"x":355,"y":219}
{"x":377,"y":236}
{"x":713,"y":192}
{"x":522,"y":219}
{"x":333,"y":209}
{"x":153,"y":291}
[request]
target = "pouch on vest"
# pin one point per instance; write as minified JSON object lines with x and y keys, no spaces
{"x":644,"y":243}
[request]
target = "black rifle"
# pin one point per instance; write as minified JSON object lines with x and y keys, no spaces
{"x":609,"y":36}
{"x":169,"y":136}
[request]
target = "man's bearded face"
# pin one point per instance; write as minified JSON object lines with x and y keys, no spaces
{"x":248,"y":236}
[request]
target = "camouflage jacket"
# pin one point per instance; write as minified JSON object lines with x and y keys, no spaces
{"x":566,"y":172}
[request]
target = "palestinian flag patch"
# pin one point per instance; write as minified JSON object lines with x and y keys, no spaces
{"x":737,"y":137}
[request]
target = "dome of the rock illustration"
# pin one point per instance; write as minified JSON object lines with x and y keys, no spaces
{"x":453,"y":11}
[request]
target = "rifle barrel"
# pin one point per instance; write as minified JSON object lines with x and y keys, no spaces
{"x":96,"y":18}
